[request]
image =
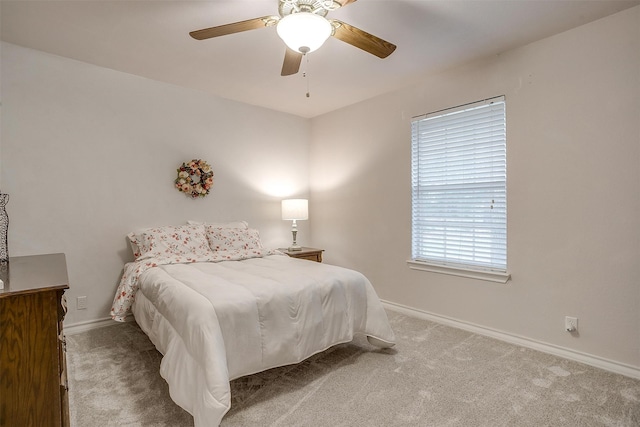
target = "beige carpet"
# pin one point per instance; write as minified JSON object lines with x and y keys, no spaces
{"x":435,"y":376}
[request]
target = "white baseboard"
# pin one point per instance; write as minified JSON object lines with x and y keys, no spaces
{"x":587,"y":359}
{"x":79,"y":327}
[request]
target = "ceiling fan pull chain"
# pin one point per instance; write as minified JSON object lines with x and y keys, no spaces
{"x":308,"y":78}
{"x":305,"y":73}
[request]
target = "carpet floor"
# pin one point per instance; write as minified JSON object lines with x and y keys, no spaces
{"x":434,"y":376}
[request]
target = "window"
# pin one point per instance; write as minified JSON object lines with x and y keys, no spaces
{"x":459,"y":197}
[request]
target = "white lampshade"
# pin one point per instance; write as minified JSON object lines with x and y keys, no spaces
{"x":294,"y":209}
{"x":303,"y":31}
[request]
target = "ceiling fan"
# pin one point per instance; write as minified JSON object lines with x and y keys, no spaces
{"x":303,"y":26}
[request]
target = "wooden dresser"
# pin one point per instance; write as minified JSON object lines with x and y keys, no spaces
{"x":33,"y":378}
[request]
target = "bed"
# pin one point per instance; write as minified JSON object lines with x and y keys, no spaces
{"x":219,"y":306}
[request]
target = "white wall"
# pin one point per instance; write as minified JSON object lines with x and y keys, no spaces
{"x":89,"y":154}
{"x":573,"y":147}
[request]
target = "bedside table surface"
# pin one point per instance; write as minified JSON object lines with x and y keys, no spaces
{"x":311,"y":254}
{"x":304,"y":250}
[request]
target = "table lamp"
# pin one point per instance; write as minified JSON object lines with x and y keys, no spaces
{"x":295,"y":209}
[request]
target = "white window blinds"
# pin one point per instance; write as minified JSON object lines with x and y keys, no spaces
{"x":459,"y":178}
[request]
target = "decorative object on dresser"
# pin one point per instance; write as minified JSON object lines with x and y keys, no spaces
{"x":195,"y":178}
{"x":293,"y":210}
{"x":33,"y":377}
{"x":312,"y":254}
{"x":4,"y":228}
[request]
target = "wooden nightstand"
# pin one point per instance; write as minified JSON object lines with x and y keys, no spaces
{"x":311,"y":254}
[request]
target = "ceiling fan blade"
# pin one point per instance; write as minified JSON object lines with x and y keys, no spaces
{"x":236,"y":27}
{"x":361,"y":39}
{"x":291,"y":64}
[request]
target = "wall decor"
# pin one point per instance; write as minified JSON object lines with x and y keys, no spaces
{"x":195,"y":178}
{"x":4,"y":228}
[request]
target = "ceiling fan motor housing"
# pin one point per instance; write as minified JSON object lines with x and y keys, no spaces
{"x":318,"y":7}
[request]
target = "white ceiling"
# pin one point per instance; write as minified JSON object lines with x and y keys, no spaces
{"x":150,"y":38}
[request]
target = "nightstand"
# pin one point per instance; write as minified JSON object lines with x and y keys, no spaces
{"x":311,"y":254}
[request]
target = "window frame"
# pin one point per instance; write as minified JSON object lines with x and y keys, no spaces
{"x":447,"y":261}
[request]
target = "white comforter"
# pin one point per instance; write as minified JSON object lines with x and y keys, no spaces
{"x":218,"y":321}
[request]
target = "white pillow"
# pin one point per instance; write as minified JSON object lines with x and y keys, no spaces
{"x":184,"y":243}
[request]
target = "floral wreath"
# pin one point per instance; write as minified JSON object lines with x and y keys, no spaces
{"x":195,"y":178}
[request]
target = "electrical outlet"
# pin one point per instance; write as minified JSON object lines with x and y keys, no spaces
{"x":81,"y":303}
{"x":571,"y":324}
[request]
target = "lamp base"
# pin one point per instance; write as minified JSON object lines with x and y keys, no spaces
{"x":294,"y":245}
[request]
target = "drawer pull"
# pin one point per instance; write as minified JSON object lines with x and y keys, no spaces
{"x":63,"y":380}
{"x":63,"y":341}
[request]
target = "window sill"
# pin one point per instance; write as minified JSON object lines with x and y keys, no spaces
{"x":490,"y":276}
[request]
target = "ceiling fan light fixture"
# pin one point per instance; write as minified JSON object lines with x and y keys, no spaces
{"x":304,"y":31}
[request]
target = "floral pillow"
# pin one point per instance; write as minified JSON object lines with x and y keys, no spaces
{"x":133,"y":241}
{"x":225,"y":239}
{"x":185,"y":243}
{"x":234,"y":224}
